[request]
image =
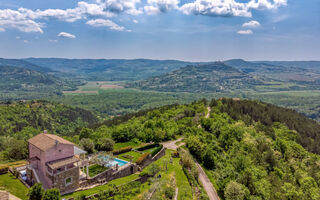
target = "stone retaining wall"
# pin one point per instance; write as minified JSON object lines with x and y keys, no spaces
{"x":150,"y":159}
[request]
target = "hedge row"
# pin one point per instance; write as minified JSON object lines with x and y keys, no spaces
{"x":142,"y":158}
{"x":122,"y":150}
{"x":4,"y":170}
{"x":153,"y":153}
{"x":148,"y":146}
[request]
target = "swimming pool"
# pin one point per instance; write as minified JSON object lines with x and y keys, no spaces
{"x":113,"y":162}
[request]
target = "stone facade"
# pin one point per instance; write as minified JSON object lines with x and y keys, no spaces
{"x":59,"y":180}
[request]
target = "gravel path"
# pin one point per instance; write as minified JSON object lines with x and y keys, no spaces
{"x":212,"y":193}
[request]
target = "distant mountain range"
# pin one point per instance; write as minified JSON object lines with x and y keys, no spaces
{"x":215,"y":77}
{"x":109,"y":70}
{"x":26,"y":78}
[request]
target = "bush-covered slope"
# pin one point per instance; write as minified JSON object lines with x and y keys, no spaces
{"x":216,"y":77}
{"x":255,"y":160}
{"x":23,"y":83}
{"x":27,"y":118}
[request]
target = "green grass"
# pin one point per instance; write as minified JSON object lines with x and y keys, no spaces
{"x":150,"y":150}
{"x":96,"y":169}
{"x":126,"y":144}
{"x":135,"y":156}
{"x":97,"y":189}
{"x":13,"y":185}
{"x":174,"y":169}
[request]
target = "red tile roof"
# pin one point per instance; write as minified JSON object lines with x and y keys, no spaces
{"x":45,"y":141}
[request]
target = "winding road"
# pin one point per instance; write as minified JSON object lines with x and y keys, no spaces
{"x":207,"y":185}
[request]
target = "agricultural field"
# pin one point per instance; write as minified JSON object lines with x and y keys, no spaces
{"x":93,"y":87}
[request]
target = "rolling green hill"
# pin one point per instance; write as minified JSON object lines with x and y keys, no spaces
{"x":31,"y":117}
{"x":23,"y":83}
{"x":216,"y":77}
{"x":109,"y":70}
{"x":250,"y":150}
{"x":23,"y":64}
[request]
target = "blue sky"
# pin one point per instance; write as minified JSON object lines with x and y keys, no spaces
{"x":193,"y":30}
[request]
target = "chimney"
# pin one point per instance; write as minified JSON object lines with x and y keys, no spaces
{"x":45,"y":131}
{"x":57,"y":142}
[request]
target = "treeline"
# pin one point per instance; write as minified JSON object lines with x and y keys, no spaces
{"x":255,"y":111}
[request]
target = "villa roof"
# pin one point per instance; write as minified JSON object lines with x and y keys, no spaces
{"x":63,"y":162}
{"x":44,"y":141}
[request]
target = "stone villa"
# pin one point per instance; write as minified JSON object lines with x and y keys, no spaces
{"x":55,"y":162}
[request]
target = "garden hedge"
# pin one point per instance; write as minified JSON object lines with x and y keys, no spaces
{"x":122,"y":150}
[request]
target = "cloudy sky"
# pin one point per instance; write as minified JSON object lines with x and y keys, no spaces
{"x":194,"y":30}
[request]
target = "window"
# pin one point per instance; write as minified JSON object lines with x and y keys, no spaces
{"x":68,"y":181}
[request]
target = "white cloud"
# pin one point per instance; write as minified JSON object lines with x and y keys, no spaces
{"x":2,"y":29}
{"x":66,"y":35}
{"x":251,"y":24}
{"x":135,"y":21}
{"x":121,"y":6}
{"x":216,"y":8}
{"x":160,"y":6}
{"x":26,"y":20}
{"x":105,"y":23}
{"x":53,"y":41}
{"x":16,"y":20}
{"x":245,"y":32}
{"x":26,"y":41}
{"x":229,"y":7}
{"x":18,"y":37}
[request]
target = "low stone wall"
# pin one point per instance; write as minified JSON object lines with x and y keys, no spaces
{"x":150,"y":159}
{"x":111,"y":174}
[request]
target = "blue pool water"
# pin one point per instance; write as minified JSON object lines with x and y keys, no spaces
{"x":114,"y":162}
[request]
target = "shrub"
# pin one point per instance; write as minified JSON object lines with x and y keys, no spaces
{"x":169,"y":192}
{"x":52,"y":194}
{"x":4,"y":170}
{"x":148,"y":146}
{"x":87,"y":145}
{"x":142,"y":158}
{"x":122,"y":150}
{"x":105,"y":144}
{"x":36,"y":192}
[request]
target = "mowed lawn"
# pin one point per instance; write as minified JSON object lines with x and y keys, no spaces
{"x":129,"y":156}
{"x":13,"y":185}
{"x":98,"y":189}
{"x":96,"y":169}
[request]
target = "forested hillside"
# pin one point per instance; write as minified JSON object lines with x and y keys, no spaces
{"x":250,"y":150}
{"x":216,"y":77}
{"x":245,"y":157}
{"x":22,"y":83}
{"x":18,"y":119}
{"x":109,"y":70}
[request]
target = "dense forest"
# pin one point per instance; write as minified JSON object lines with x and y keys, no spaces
{"x":250,"y":150}
{"x":245,"y":157}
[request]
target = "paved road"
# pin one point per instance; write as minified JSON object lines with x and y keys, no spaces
{"x":207,"y":185}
